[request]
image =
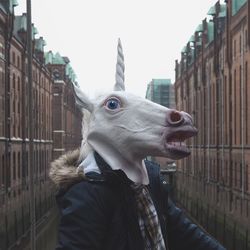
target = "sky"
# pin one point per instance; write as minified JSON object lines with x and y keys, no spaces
{"x":152,"y":32}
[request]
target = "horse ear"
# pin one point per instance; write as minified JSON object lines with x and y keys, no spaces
{"x":82,"y":100}
{"x":120,"y":68}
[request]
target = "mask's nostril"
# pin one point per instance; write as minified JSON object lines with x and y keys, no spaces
{"x":175,"y":117}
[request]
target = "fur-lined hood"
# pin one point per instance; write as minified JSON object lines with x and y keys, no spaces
{"x":64,"y":172}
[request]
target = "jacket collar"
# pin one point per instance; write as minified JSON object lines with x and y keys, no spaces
{"x":67,"y":171}
{"x":63,"y":171}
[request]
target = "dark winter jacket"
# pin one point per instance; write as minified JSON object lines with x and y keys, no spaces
{"x":98,"y":211}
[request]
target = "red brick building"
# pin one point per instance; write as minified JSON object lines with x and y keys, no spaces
{"x":213,"y":84}
{"x":14,"y":125}
{"x":66,"y":115}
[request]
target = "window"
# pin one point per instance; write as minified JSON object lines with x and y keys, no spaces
{"x":240,"y":47}
{"x":247,"y":209}
{"x":235,"y":174}
{"x":240,"y":177}
{"x":18,"y":83}
{"x":40,"y":161}
{"x":14,"y":81}
{"x":14,"y":105}
{"x":246,"y":39}
{"x":56,"y":75}
{"x":19,"y":165}
{"x":3,"y":171}
{"x":13,"y":58}
{"x":226,"y":172}
{"x":14,"y":166}
{"x":234,"y":48}
{"x":247,"y":177}
{"x":18,"y":62}
{"x":8,"y":172}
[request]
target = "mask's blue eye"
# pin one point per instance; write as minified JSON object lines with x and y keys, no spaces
{"x":113,"y":104}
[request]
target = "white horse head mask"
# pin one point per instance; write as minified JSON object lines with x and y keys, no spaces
{"x":123,"y":128}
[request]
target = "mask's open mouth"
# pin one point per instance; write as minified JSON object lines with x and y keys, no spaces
{"x":175,"y":142}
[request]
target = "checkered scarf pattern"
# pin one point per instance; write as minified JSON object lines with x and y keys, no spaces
{"x":148,"y":219}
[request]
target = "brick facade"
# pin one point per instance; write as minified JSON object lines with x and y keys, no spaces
{"x":14,"y":127}
{"x":213,"y":84}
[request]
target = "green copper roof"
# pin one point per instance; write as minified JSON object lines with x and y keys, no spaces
{"x":34,"y":31}
{"x":190,"y":55}
{"x":70,"y":73}
{"x":191,"y":39}
{"x":51,"y":58}
{"x":73,"y":77}
{"x":14,"y":3}
{"x":57,"y":59}
{"x":48,"y":56}
{"x":212,"y":11}
{"x":210,"y":32}
{"x":223,"y":10}
{"x":184,"y":49}
{"x":199,"y":28}
{"x":8,"y":5}
{"x":236,"y":5}
{"x":39,"y":44}
{"x":68,"y":69}
{"x":20,"y":23}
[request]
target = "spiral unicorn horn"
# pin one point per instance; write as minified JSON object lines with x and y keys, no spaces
{"x":119,"y":76}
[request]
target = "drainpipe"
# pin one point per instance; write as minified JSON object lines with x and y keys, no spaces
{"x":8,"y":37}
{"x":194,"y":97}
{"x":222,"y":113}
{"x":208,"y":121}
{"x":242,"y":113}
{"x":31,"y":130}
{"x":193,"y":89}
{"x":201,"y":146}
{"x":7,"y":162}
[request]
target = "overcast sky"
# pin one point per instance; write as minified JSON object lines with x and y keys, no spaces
{"x":153,"y":33}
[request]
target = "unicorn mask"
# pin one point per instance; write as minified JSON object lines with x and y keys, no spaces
{"x":124,"y":128}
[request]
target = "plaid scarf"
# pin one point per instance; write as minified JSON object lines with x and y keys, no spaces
{"x":148,"y":219}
